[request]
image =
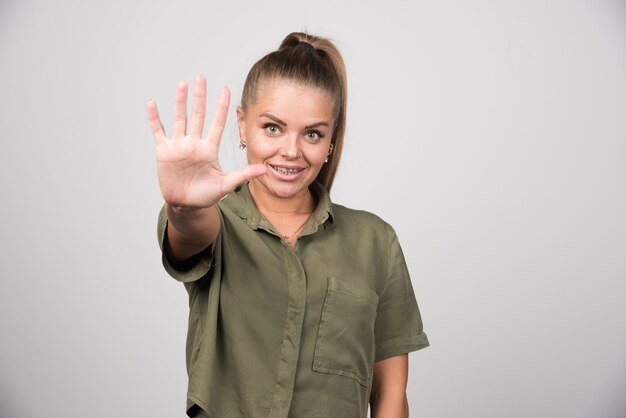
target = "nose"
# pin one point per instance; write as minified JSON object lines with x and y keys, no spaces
{"x":291,"y":148}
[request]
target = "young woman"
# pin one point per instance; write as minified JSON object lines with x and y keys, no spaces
{"x":299,"y":307}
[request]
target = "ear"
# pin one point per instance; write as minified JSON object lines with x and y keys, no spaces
{"x":241,"y":122}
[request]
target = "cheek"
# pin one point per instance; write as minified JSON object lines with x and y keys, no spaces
{"x":316,"y":154}
{"x":259,"y":150}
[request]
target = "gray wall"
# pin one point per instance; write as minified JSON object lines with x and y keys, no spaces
{"x":492,"y":135}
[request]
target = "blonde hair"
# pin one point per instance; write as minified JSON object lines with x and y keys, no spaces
{"x":313,"y":61}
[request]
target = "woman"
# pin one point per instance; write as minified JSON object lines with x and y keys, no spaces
{"x":298,"y":307}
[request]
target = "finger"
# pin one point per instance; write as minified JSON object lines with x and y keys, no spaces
{"x":155,"y":122}
{"x":219,"y":118}
{"x":198,"y":111}
{"x":180,"y":112}
{"x":235,"y":178}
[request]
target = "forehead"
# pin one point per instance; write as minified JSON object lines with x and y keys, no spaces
{"x":288,"y":95}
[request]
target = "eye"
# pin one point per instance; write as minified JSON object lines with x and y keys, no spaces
{"x":271,"y":129}
{"x":314,"y":136}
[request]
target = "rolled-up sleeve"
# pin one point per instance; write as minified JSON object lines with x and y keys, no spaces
{"x":398,"y":328}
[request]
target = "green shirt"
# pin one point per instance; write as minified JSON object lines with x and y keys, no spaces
{"x":276,"y":332}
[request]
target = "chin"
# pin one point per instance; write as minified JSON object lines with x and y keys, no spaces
{"x":288,"y":191}
{"x":285,"y":190}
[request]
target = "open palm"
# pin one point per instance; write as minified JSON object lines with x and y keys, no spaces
{"x":187,"y":164}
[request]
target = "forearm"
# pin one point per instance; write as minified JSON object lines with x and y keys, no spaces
{"x":389,"y":406}
{"x":190,"y":231}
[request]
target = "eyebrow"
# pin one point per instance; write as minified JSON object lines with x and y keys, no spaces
{"x":280,"y":122}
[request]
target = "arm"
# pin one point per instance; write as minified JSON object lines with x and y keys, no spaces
{"x":190,"y":176}
{"x":388,"y":396}
{"x":189,"y":231}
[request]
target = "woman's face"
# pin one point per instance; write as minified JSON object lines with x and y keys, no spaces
{"x":289,"y":129}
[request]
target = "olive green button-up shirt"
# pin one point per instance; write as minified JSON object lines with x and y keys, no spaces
{"x":276,"y":332}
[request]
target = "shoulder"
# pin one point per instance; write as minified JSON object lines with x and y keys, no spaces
{"x":349,"y":214}
{"x":238,"y":205}
{"x":233,"y":201}
{"x":362,"y":222}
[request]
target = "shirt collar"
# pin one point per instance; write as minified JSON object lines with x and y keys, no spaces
{"x":241,"y":202}
{"x":323,"y":213}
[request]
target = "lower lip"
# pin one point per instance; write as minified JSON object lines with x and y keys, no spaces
{"x":287,"y":176}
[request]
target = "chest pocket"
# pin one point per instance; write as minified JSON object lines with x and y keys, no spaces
{"x":345,"y":338}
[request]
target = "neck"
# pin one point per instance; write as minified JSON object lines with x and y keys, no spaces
{"x":302,"y":203}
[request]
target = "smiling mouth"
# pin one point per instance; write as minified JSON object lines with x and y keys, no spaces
{"x":284,"y":170}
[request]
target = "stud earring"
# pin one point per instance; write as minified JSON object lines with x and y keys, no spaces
{"x":242,"y":144}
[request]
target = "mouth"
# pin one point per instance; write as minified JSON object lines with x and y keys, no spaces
{"x":286,"y":171}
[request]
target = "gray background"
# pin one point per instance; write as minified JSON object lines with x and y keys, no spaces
{"x":491,"y":135}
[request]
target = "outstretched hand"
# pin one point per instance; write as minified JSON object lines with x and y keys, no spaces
{"x":187,"y":164}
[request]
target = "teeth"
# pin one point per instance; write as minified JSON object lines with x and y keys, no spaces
{"x":287,"y":170}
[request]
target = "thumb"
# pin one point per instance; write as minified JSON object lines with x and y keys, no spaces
{"x":237,"y":177}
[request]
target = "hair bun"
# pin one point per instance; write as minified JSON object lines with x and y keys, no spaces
{"x":305,"y":45}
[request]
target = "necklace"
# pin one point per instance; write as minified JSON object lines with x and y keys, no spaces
{"x":289,"y":237}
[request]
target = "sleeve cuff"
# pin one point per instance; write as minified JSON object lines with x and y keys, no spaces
{"x":401,"y":345}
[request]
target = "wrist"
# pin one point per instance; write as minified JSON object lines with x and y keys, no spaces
{"x":191,"y":229}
